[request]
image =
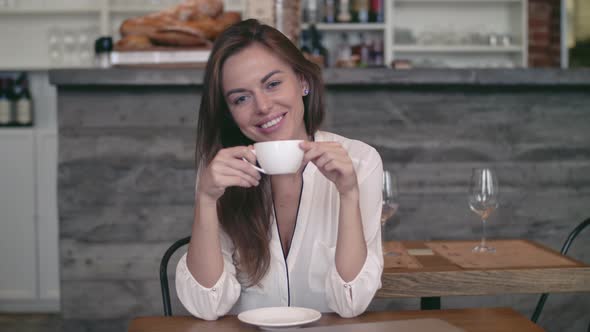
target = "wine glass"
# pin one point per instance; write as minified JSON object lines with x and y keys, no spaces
{"x":483,"y":200}
{"x":390,"y":204}
{"x":55,"y":46}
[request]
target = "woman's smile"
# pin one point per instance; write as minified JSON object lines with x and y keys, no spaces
{"x":270,"y":124}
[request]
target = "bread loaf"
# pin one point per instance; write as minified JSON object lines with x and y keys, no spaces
{"x":177,"y":36}
{"x":190,"y":23}
{"x":190,"y":10}
{"x":133,"y":42}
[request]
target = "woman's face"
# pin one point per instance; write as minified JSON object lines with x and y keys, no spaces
{"x":264,"y":95}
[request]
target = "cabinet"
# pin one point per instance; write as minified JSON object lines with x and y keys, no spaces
{"x":29,"y":264}
{"x":429,"y":33}
{"x":460,"y":33}
{"x":18,"y":243}
{"x":445,"y":33}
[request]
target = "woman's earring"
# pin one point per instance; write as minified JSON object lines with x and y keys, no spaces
{"x":305,"y":91}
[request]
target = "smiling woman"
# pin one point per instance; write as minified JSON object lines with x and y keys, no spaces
{"x":268,"y":107}
{"x":253,"y":234}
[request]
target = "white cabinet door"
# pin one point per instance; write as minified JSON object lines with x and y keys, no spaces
{"x":18,"y":243}
{"x":46,"y":154}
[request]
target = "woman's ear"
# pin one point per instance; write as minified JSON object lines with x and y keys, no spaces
{"x":304,"y":85}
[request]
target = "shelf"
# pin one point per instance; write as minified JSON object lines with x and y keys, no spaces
{"x":456,"y":49}
{"x":136,"y":10}
{"x":347,"y":26}
{"x":49,"y":11}
{"x":16,"y":131}
{"x":405,"y":2}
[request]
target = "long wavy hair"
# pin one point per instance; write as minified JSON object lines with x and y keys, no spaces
{"x":245,"y":213}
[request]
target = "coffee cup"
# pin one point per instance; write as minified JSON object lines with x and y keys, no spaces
{"x":278,"y":157}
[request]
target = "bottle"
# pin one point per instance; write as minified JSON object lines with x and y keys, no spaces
{"x":330,"y":11}
{"x":365,"y":52}
{"x":360,"y":11}
{"x":305,"y":48}
{"x":377,"y":53}
{"x":310,"y":11}
{"x":377,"y":10}
{"x":344,"y":58}
{"x":22,"y":102}
{"x":5,"y":103}
{"x":319,"y":54}
{"x":344,"y":11}
{"x":102,"y":49}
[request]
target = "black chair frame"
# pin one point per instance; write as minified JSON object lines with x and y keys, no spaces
{"x":164,"y":273}
{"x":564,"y":250}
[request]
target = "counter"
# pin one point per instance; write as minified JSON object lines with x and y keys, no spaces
{"x":126,"y":170}
{"x":333,"y":77}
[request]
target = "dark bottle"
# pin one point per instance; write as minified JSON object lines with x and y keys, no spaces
{"x":305,"y":47}
{"x":376,"y":12}
{"x":319,"y":54}
{"x":330,"y":11}
{"x":22,"y":102}
{"x":5,"y":102}
{"x":103,"y":46}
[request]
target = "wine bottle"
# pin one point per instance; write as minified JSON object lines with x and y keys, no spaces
{"x":360,"y":11}
{"x":365,"y":52}
{"x":5,"y":103}
{"x":305,"y":48}
{"x":23,"y":103}
{"x":377,"y":53}
{"x":330,"y":11}
{"x":310,"y":11}
{"x":344,"y":56}
{"x":377,"y":10}
{"x":319,"y":54}
{"x":344,"y":11}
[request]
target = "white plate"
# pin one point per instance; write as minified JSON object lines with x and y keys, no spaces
{"x":279,"y":317}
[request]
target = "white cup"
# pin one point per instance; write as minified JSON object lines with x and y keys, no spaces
{"x":278,"y":157}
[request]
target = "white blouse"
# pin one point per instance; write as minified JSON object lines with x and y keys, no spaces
{"x":308,"y":276}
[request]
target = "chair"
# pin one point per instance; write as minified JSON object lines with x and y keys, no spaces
{"x":164,"y":273}
{"x":564,"y":250}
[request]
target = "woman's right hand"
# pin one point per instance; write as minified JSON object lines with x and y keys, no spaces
{"x":228,"y":169}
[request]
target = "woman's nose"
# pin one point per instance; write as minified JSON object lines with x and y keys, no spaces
{"x":263,"y":103}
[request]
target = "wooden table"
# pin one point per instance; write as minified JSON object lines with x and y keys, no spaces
{"x":448,"y":268}
{"x":471,"y":320}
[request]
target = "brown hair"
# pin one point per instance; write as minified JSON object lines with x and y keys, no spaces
{"x":244,"y":213}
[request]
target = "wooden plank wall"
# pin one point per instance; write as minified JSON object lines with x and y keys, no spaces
{"x":126,"y":181}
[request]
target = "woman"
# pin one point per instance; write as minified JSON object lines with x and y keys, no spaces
{"x":310,"y":239}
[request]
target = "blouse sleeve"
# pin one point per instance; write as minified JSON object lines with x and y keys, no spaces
{"x":209,"y":303}
{"x":350,"y":299}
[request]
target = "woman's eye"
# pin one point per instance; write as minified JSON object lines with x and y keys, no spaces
{"x":273,"y":84}
{"x":239,"y":100}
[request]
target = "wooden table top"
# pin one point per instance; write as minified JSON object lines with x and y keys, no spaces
{"x":471,"y":320}
{"x":448,"y":268}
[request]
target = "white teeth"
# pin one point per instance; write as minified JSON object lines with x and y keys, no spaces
{"x":272,"y":122}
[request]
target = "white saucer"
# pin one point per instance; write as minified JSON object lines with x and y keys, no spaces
{"x":279,"y":317}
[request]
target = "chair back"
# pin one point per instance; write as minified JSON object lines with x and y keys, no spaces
{"x":564,"y":250}
{"x":164,"y":273}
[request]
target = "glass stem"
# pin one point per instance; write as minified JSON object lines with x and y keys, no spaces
{"x":483,"y":233}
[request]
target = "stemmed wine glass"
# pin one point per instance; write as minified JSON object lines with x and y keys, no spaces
{"x":483,"y":200}
{"x":390,"y":204}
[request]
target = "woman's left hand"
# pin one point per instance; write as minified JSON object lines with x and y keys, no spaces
{"x":334,"y":162}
